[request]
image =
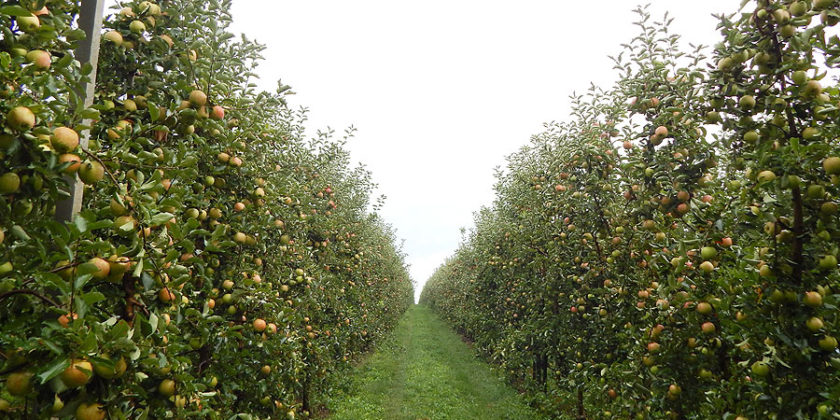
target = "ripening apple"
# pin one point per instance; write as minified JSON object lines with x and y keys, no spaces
{"x":766,"y":176}
{"x":103,"y":268}
{"x":91,"y":172}
{"x":28,"y":24}
{"x":814,"y":324}
{"x":828,"y":262}
{"x":77,"y":374}
{"x":165,"y":295}
{"x":760,"y":368}
{"x":708,"y":328}
{"x":828,"y":343}
{"x":708,"y":252}
{"x":813,"y":299}
{"x":137,"y":26}
{"x":197,"y":98}
{"x":39,"y":58}
{"x":9,"y":183}
{"x":831,"y":165}
{"x":217,"y":112}
{"x":259,"y":325}
{"x":73,"y":161}
{"x":110,"y":372}
{"x":167,"y":387}
{"x":704,"y":308}
{"x":64,"y":139}
{"x":20,"y":118}
{"x":90,"y":411}
{"x":113,"y":36}
{"x":19,"y":383}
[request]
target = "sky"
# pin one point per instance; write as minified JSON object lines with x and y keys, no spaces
{"x":442,"y":90}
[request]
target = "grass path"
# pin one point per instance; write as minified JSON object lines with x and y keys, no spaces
{"x":425,"y":372}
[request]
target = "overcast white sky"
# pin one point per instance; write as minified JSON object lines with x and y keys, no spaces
{"x":442,"y":90}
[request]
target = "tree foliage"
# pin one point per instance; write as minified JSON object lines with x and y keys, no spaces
{"x":670,"y":251}
{"x":222,"y":264}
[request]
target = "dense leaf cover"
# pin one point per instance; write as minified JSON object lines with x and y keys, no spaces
{"x":671,"y":250}
{"x":222,"y":263}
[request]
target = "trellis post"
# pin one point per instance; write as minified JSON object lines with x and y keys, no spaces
{"x":90,"y":21}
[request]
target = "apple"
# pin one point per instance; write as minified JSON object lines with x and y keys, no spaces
{"x":265,"y":370}
{"x":77,"y":374}
{"x":674,"y":389}
{"x":165,"y":295}
{"x":828,"y":262}
{"x":9,"y":183}
{"x":91,"y":172}
{"x":827,"y":343}
{"x":813,"y":299}
{"x":707,"y":267}
{"x":197,"y":98}
{"x":167,"y":387}
{"x":73,"y":160}
{"x":39,"y":58}
{"x":217,"y":112}
{"x":90,"y":411}
{"x":28,"y":24}
{"x":760,"y":369}
{"x":704,"y":308}
{"x":708,"y":328}
{"x":814,"y":324}
{"x":168,"y":40}
{"x":708,"y":252}
{"x":64,"y":139}
{"x":766,"y":176}
{"x":747,"y":102}
{"x":661,"y":131}
{"x":810,"y":133}
{"x":19,"y":383}
{"x":259,"y":325}
{"x":110,"y":372}
{"x":831,"y":165}
{"x":113,"y":36}
{"x":103,"y":266}
{"x":20,"y":118}
{"x":137,"y":26}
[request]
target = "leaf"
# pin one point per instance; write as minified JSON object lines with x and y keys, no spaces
{"x":93,"y":297}
{"x":161,"y":218}
{"x":18,"y":232}
{"x":80,"y":223}
{"x":54,"y":369}
{"x":14,"y":11}
{"x":153,"y":321}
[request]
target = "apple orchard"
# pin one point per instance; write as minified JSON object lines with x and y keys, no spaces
{"x":221,"y":263}
{"x":670,"y":251}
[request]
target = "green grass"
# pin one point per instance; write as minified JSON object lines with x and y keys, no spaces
{"x":424,"y":372}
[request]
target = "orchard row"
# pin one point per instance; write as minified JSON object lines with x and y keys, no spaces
{"x":671,"y":250}
{"x":221,"y":265}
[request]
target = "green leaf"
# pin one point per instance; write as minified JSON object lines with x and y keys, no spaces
{"x":161,"y":218}
{"x":14,"y":11}
{"x":54,"y":369}
{"x":93,"y":297}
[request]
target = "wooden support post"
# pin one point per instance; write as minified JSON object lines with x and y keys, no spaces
{"x":90,"y":21}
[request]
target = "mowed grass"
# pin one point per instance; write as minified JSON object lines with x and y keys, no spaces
{"x":424,"y":372}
